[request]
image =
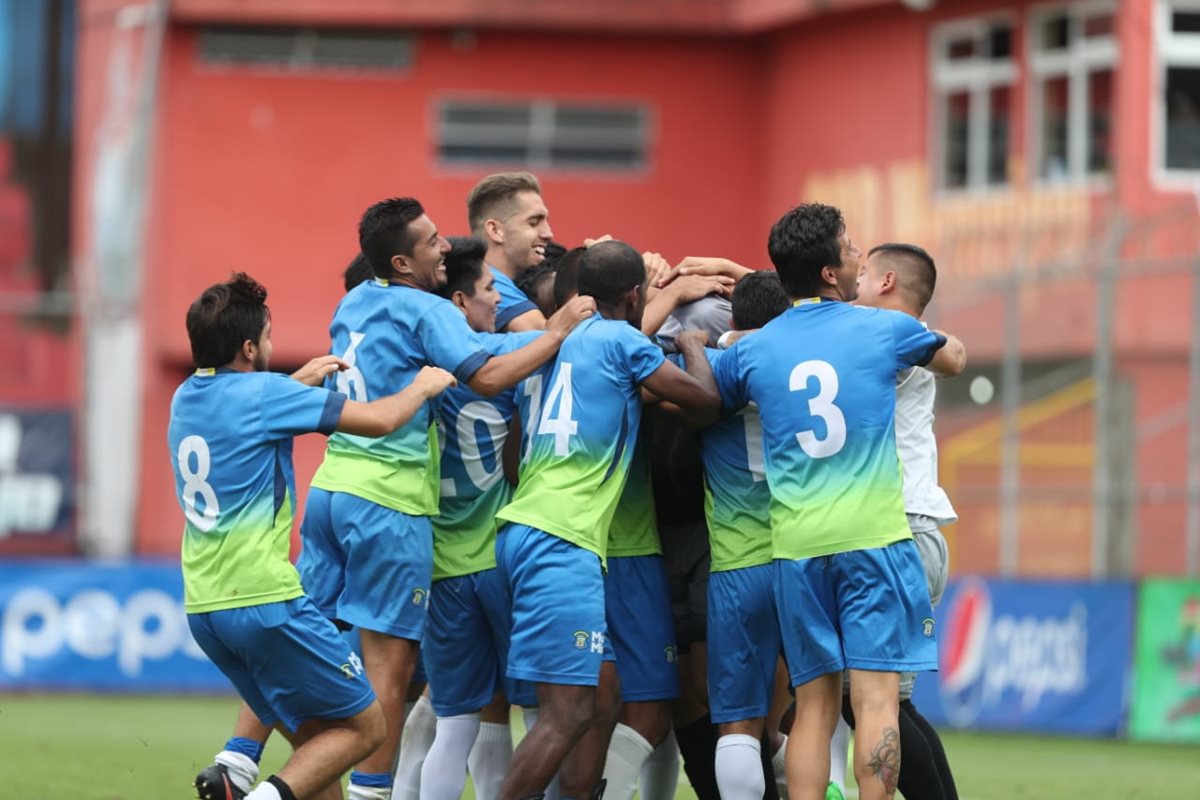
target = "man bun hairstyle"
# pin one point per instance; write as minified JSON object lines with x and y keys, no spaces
{"x":802,"y":243}
{"x":224,"y":317}
{"x":495,"y":196}
{"x":384,"y":232}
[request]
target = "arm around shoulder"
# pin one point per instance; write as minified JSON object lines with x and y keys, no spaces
{"x":950,"y":360}
{"x":381,"y":417}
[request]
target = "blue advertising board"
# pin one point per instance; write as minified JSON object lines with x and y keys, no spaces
{"x":1046,"y":656}
{"x":95,"y":627}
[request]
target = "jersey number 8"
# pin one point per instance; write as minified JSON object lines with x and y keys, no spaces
{"x":195,"y":483}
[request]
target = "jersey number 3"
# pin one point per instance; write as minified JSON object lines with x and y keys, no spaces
{"x":195,"y":483}
{"x":820,"y":406}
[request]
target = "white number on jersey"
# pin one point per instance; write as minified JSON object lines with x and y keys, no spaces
{"x":195,"y":483}
{"x":820,"y":406}
{"x":754,"y":442}
{"x":350,"y":381}
{"x":563,"y":426}
{"x":468,"y":442}
{"x":533,"y":390}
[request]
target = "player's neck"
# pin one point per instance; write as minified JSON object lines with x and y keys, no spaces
{"x":619,"y":312}
{"x":498,"y":261}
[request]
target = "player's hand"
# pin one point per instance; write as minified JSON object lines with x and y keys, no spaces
{"x":690,"y":288}
{"x":591,"y":242}
{"x":316,"y":371}
{"x":432,"y":381}
{"x":691,"y":340}
{"x":698,"y":265}
{"x":577,"y":309}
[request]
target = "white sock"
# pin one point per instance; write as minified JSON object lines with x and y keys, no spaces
{"x":779,"y":767}
{"x":839,"y":750}
{"x":444,"y":775}
{"x":264,"y":791}
{"x":739,"y":767}
{"x":660,"y":772}
{"x":356,"y":792}
{"x":242,"y":769}
{"x":490,"y":758}
{"x":627,"y":751}
{"x":419,"y":730}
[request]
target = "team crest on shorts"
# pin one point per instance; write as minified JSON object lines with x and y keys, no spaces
{"x":669,"y":652}
{"x":353,"y":666}
{"x":418,"y":597}
{"x":927,"y":626}
{"x":581,"y":639}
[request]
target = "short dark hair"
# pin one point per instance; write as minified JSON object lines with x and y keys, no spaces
{"x":554,"y":251}
{"x":528,"y":280}
{"x":917,"y":273}
{"x":464,"y":265}
{"x":383,"y":232}
{"x":802,"y":243}
{"x":356,"y":272}
{"x":608,"y":270}
{"x":493,"y":197}
{"x":566,"y":277}
{"x":757,"y":299}
{"x":224,"y":317}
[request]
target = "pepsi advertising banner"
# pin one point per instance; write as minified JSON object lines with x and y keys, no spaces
{"x":1045,"y":656}
{"x":85,"y":626}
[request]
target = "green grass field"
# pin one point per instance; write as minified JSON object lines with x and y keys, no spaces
{"x":149,"y":748}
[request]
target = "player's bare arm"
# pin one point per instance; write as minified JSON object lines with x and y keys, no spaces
{"x":680,"y":292}
{"x":950,"y":360}
{"x":531,"y":320}
{"x":704,"y":265}
{"x":381,"y":417}
{"x":501,"y":372}
{"x":693,"y":390}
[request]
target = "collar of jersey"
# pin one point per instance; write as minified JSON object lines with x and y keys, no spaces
{"x":805,"y":301}
{"x":208,"y":372}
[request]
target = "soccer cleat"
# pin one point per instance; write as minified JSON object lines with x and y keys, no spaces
{"x":213,"y":783}
{"x":832,"y":792}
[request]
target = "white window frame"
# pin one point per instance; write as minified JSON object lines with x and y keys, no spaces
{"x":1171,"y":50}
{"x":1080,"y":58}
{"x":977,"y":78}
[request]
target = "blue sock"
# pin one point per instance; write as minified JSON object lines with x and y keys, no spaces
{"x":372,"y":779}
{"x":248,"y":747}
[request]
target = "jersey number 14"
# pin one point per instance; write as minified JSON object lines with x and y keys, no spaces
{"x":562,"y":426}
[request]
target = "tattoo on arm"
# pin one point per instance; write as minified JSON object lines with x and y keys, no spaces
{"x":885,"y":760}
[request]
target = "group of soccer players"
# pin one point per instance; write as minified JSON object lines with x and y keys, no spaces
{"x":485,"y":514}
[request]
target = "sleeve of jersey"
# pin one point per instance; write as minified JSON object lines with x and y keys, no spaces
{"x":642,"y":355}
{"x":449,"y":343}
{"x":498,"y":344}
{"x":728,"y":376}
{"x":513,"y":303}
{"x":290,"y":408}
{"x":915,"y":344}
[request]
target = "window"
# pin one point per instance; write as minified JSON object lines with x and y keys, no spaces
{"x":306,"y":48}
{"x":1179,"y":86}
{"x":1072,"y":60}
{"x":973,"y":73}
{"x":542,"y":134}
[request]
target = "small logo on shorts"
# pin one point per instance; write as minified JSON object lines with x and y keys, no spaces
{"x":927,"y":626}
{"x":669,"y":651}
{"x":419,"y":596}
{"x":581,"y":639}
{"x":353,"y":666}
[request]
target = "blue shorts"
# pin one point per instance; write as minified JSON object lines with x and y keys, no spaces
{"x":287,"y":661}
{"x":743,"y":643}
{"x":466,"y":645}
{"x":366,"y":564}
{"x":862,"y":609}
{"x":557,"y":592}
{"x":641,"y":629}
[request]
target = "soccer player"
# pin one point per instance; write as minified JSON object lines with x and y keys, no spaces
{"x":903,"y":277}
{"x":743,"y":631}
{"x":466,"y":635}
{"x":506,"y":211}
{"x":580,"y":417}
{"x":367,"y":556}
{"x":230,"y":439}
{"x":849,"y":585}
